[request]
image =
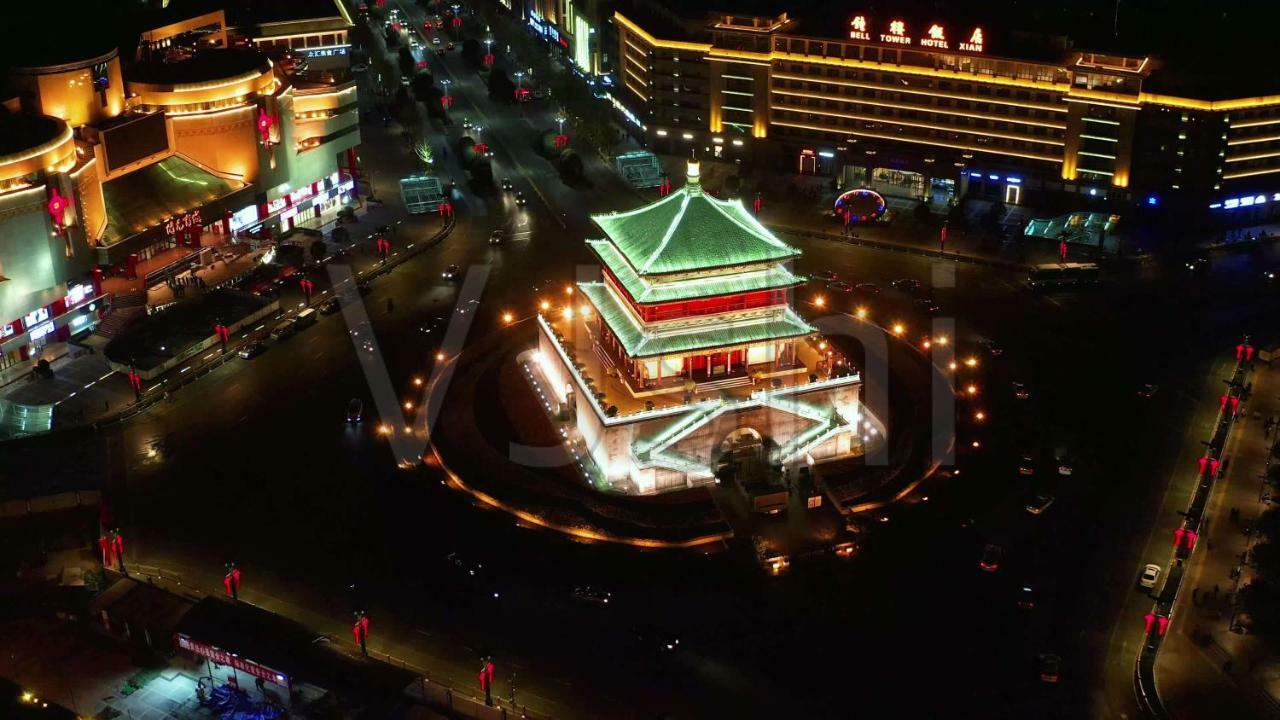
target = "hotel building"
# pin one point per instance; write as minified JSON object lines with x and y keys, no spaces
{"x":128,"y":166}
{"x":933,"y":111}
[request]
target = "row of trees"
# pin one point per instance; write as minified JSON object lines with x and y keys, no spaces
{"x":1260,"y":599}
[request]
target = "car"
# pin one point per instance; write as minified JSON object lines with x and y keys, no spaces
{"x":355,"y":411}
{"x":1026,"y":465}
{"x":435,"y":40}
{"x":991,"y":347}
{"x":539,"y":93}
{"x":1039,"y":504}
{"x":1050,"y":666}
{"x":1065,"y":466}
{"x":907,"y":285}
{"x":1199,"y":264}
{"x":440,"y":51}
{"x":521,"y":200}
{"x":928,"y":306}
{"x":449,"y":46}
{"x":383,"y":230}
{"x":507,"y":185}
{"x":252,"y":350}
{"x":828,"y":275}
{"x":590,"y":593}
{"x":284,"y":329}
{"x":991,"y":555}
{"x":467,"y":124}
{"x":840,"y":286}
{"x":868,"y":288}
{"x":657,"y":640}
{"x":364,"y":288}
{"x":450,"y":273}
{"x":1020,"y":391}
{"x":359,"y":68}
{"x":1026,"y":598}
{"x":497,"y":237}
{"x":330,"y":306}
{"x":1149,"y":577}
{"x":267,"y":291}
{"x":1148,"y":391}
{"x":433,"y":326}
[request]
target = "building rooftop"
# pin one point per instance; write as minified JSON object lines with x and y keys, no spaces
{"x":642,"y":343}
{"x":644,"y":290}
{"x":148,"y":196}
{"x":203,"y":66}
{"x":688,"y":231}
{"x":1203,"y":50}
{"x":20,"y":132}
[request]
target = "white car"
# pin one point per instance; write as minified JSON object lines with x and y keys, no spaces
{"x":1150,"y":575}
{"x":1039,"y":504}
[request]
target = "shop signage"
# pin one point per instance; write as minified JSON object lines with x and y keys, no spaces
{"x":77,"y":292}
{"x":35,"y":317}
{"x":934,"y":36}
{"x":185,"y":222}
{"x":6,"y":331}
{"x":40,"y":330}
{"x":222,"y":657}
{"x":325,"y":52}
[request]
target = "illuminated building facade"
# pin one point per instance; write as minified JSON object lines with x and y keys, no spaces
{"x":577,"y":27}
{"x":687,"y":350}
{"x":110,"y":168}
{"x":932,"y":111}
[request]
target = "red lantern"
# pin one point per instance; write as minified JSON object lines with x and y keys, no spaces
{"x":488,"y":59}
{"x":1177,"y":537}
{"x":1150,"y":620}
{"x":231,"y":582}
{"x":1204,"y":462}
{"x":1248,"y":352}
{"x":264,"y":125}
{"x":1162,"y":625}
{"x":1062,"y":250}
{"x":1239,"y":352}
{"x":1235,"y":405}
{"x":57,"y":207}
{"x":457,"y":22}
{"x":1214,"y":465}
{"x":757,"y":204}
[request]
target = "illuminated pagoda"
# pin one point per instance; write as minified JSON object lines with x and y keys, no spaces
{"x":687,"y":351}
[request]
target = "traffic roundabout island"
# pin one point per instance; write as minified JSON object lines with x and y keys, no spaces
{"x":681,"y":400}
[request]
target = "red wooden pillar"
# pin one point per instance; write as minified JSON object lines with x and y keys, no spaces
{"x":352,"y":168}
{"x":59,"y":307}
{"x":97,"y":281}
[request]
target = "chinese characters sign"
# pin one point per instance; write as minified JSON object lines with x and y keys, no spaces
{"x":934,"y":36}
{"x":185,"y":222}
{"x":222,"y":657}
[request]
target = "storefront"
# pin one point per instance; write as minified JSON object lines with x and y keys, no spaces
{"x":318,"y":201}
{"x":72,"y":315}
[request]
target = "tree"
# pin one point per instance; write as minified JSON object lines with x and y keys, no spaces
{"x":392,"y":37}
{"x":922,"y":211}
{"x":1266,"y":558}
{"x":570,"y":167}
{"x":1261,"y":601}
{"x":406,"y":62}
{"x":319,"y":250}
{"x":500,"y":86}
{"x":1268,"y":524}
{"x":422,"y":84}
{"x":340,"y":235}
{"x":472,"y":52}
{"x":422,"y":149}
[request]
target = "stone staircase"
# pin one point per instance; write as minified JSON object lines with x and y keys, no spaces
{"x":125,"y":309}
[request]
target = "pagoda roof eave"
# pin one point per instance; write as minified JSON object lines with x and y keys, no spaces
{"x":772,"y":277}
{"x":639,"y":343}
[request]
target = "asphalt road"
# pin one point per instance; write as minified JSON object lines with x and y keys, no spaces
{"x":256,"y":464}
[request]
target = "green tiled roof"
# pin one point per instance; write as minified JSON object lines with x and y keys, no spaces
{"x":639,"y":343}
{"x":689,"y":230}
{"x":146,"y":197}
{"x":645,"y":291}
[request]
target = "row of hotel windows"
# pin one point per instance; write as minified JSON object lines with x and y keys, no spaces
{"x":306,"y":41}
{"x":920,"y":116}
{"x":890,"y":94}
{"x":891,"y":80}
{"x":891,"y":130}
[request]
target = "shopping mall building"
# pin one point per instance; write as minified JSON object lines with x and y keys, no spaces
{"x":935,"y":110}
{"x":130,"y":163}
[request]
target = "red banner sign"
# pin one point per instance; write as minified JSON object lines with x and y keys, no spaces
{"x":222,"y":657}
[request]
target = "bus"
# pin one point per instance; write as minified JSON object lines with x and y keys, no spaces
{"x":1055,"y":275}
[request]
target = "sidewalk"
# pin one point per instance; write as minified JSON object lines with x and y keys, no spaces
{"x":804,"y":215}
{"x":1205,"y":670}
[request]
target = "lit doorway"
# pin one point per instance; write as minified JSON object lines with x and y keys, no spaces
{"x":808,"y":162}
{"x":1012,"y":194}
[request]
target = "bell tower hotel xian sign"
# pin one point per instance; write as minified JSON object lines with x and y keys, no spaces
{"x":934,"y":37}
